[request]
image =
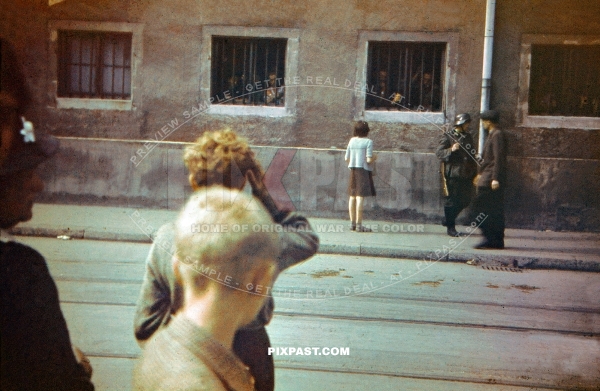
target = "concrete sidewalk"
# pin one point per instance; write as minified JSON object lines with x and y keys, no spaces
{"x":524,"y":248}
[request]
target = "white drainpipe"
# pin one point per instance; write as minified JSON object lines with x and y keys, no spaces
{"x":488,"y":48}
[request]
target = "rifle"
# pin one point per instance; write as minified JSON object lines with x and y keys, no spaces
{"x":444,"y":184}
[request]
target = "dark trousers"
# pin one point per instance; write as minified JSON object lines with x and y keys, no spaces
{"x":488,"y":209}
{"x":251,"y":347}
{"x":460,"y":191}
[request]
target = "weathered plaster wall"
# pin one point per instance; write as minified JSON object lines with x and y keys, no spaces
{"x":328,"y":47}
{"x":554,"y":173}
{"x":513,"y":19}
{"x":315,"y":181}
{"x":312,"y":180}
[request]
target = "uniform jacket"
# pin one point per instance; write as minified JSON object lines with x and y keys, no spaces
{"x":460,"y":163}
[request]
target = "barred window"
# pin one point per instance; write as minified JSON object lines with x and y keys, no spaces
{"x":405,"y":76}
{"x":248,"y":71}
{"x":94,"y":64}
{"x":565,"y":80}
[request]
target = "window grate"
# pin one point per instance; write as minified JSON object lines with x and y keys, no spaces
{"x":565,"y":80}
{"x":405,"y":76}
{"x":248,"y":71}
{"x":94,"y":65}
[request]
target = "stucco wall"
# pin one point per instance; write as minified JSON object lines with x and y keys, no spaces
{"x":102,"y":172}
{"x":312,"y":180}
{"x":328,"y":48}
{"x":554,"y":172}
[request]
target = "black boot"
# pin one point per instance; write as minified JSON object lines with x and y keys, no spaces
{"x":451,"y":231}
{"x":449,"y":217}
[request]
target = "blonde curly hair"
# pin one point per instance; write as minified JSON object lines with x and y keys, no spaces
{"x":220,"y":158}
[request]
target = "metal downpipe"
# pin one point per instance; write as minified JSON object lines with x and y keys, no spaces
{"x":486,"y":80}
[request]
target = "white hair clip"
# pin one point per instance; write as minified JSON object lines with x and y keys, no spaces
{"x":27,"y":131}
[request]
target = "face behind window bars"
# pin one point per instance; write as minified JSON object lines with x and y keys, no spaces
{"x":405,"y":76}
{"x":565,"y":80}
{"x":248,"y":71}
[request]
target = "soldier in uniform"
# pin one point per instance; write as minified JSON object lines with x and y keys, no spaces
{"x":459,"y":167}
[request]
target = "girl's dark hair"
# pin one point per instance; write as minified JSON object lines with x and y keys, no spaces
{"x":361,"y":129}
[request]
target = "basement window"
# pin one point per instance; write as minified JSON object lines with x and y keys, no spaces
{"x":559,"y":82}
{"x":406,"y":77}
{"x":248,"y":71}
{"x":94,"y":65}
{"x":565,"y":80}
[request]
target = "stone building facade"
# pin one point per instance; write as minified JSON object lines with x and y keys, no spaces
{"x":330,"y":59}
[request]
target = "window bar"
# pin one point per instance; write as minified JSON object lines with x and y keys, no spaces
{"x":80,"y":88}
{"x":569,"y":81}
{"x":266,"y":72}
{"x":234,"y":81}
{"x":124,"y":52}
{"x":104,"y":44}
{"x":222,"y":68}
{"x":388,"y":79}
{"x":91,"y":64}
{"x":378,"y":65}
{"x":422,"y":71}
{"x":95,"y":61}
{"x":576,"y":79}
{"x":552,"y":74}
{"x":122,"y":66}
{"x":213,"y":63}
{"x":369,"y":74}
{"x":113,"y":67}
{"x":277,"y":69}
{"x":411,"y":52}
{"x":277,"y":59}
{"x":215,"y":68}
{"x":95,"y":40}
{"x":254,"y":67}
{"x":563,"y":85}
{"x":432,"y":78}
{"x":564,"y":70}
{"x":589,"y":78}
{"x":100,"y":81}
{"x":244,"y":99}
{"x":408,"y":72}
{"x":250,"y":70}
{"x":62,"y":80}
{"x":128,"y":44}
{"x":442,"y":80}
{"x":588,"y":74}
{"x":399,"y":74}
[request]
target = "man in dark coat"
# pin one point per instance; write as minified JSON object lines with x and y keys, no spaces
{"x":36,"y":352}
{"x":459,"y":166}
{"x":488,"y":205}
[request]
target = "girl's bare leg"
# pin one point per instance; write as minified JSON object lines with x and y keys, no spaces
{"x":359,"y":210}
{"x":352,"y":210}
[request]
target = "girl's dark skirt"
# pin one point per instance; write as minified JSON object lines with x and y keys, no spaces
{"x":361,"y":183}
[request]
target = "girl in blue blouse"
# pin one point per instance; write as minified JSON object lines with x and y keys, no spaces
{"x":359,"y":156}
